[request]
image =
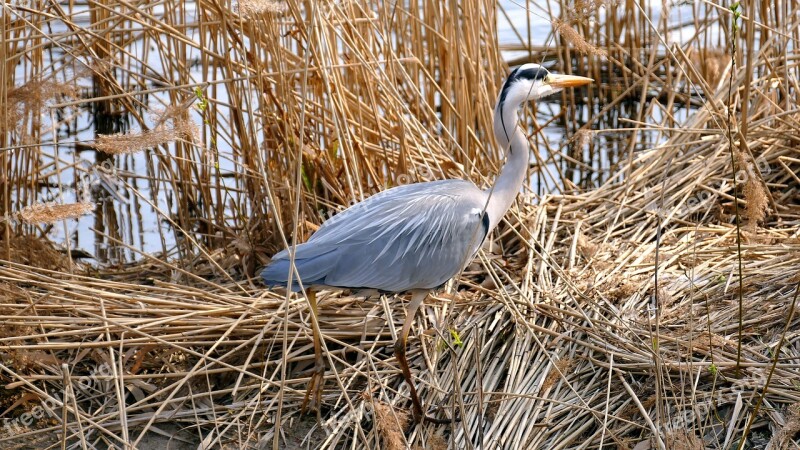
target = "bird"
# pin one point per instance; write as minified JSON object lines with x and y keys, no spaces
{"x":414,"y":237}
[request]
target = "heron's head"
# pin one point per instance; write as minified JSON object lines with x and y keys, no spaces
{"x":532,"y":81}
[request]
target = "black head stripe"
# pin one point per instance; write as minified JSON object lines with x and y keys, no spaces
{"x":534,"y":73}
{"x":520,"y":73}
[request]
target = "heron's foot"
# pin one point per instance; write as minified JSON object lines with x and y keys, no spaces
{"x":313,"y":398}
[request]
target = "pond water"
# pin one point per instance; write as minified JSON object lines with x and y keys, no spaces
{"x":125,"y":225}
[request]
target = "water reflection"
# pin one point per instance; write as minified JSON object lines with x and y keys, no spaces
{"x":137,"y":193}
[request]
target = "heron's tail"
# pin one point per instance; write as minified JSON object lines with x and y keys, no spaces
{"x":311,"y":268}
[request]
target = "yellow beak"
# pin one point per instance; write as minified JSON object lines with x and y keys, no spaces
{"x":565,"y":81}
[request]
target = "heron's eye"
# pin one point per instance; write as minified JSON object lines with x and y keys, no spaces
{"x":532,"y":73}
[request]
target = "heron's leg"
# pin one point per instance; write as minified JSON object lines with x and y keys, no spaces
{"x":314,"y":390}
{"x":400,"y":353}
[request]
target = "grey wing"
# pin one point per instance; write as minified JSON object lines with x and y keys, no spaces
{"x":415,"y":236}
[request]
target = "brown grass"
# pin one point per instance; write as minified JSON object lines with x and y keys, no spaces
{"x":558,"y":372}
{"x":581,"y":10}
{"x":683,"y":440}
{"x":755,"y":193}
{"x":31,"y":97}
{"x":784,"y":439}
{"x":133,"y":142}
{"x":304,"y":110}
{"x":709,"y":64}
{"x":391,"y":425}
{"x":38,"y":91}
{"x":29,"y":250}
{"x":52,"y":212}
{"x":578,"y":42}
{"x":255,"y":8}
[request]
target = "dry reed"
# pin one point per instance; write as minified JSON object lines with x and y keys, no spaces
{"x":578,"y":42}
{"x":52,"y":212}
{"x":254,"y":8}
{"x":391,"y":425}
{"x":133,"y":142}
{"x":602,"y":314}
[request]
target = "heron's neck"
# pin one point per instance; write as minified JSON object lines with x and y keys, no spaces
{"x":509,"y":182}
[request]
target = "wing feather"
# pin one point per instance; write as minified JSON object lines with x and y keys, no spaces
{"x":415,"y":236}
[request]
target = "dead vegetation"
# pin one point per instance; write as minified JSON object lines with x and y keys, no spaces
{"x":133,"y":142}
{"x":604,"y":314}
{"x":52,"y":212}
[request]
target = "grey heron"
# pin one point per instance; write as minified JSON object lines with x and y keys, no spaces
{"x":415,"y":237}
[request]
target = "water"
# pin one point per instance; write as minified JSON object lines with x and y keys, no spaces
{"x":124,"y":225}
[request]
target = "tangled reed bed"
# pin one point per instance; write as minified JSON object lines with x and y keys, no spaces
{"x":567,"y":350}
{"x":606,"y":313}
